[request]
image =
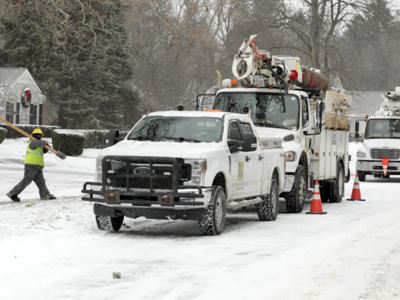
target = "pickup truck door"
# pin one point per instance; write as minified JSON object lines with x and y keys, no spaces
{"x":254,"y":161}
{"x":237,"y":163}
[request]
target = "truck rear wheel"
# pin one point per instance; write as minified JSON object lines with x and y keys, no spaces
{"x":324,"y":190}
{"x":110,"y":224}
{"x":213,"y":221}
{"x":297,"y":196}
{"x":268,"y":209}
{"x":348,"y":176}
{"x":337,"y":187}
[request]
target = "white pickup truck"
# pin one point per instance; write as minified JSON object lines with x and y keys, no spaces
{"x":188,"y":165}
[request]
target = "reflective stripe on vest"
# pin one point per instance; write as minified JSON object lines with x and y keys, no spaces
{"x":34,"y":157}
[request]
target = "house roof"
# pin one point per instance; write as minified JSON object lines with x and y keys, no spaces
{"x":365,"y":103}
{"x":8,"y":76}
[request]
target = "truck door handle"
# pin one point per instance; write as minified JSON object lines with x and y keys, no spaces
{"x":247,"y":158}
{"x":260,"y":157}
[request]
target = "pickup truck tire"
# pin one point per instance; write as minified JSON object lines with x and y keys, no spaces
{"x":213,"y":221}
{"x":297,"y":196}
{"x":110,"y":224}
{"x":268,"y":209}
{"x":337,"y":187}
{"x":361,"y":175}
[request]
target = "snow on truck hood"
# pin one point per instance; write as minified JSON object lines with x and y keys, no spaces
{"x":185,"y":150}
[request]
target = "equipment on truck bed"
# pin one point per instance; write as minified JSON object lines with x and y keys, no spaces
{"x":258,"y":68}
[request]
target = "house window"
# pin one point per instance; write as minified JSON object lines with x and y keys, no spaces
{"x":40,"y":114}
{"x":17,"y":111}
{"x":10,"y":112}
{"x":33,"y":115}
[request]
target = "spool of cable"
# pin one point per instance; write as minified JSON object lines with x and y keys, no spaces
{"x":315,"y":81}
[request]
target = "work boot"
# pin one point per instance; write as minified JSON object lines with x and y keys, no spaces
{"x":49,"y":197}
{"x":13,"y":197}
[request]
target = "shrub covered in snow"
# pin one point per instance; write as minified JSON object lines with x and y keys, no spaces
{"x":3,"y":133}
{"x":93,"y":138}
{"x":12,"y":133}
{"x":69,"y":142}
{"x":97,"y":138}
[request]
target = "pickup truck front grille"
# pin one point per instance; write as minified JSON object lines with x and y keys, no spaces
{"x":144,"y":175}
{"x":377,"y":153}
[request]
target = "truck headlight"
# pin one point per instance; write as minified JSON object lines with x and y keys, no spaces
{"x":361,"y":154}
{"x":99,"y":168}
{"x":291,"y":156}
{"x":199,"y":168}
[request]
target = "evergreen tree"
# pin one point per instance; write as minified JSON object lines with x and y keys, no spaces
{"x":372,"y":40}
{"x":78,"y":53}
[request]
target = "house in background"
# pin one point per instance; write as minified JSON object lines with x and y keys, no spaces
{"x":13,"y":83}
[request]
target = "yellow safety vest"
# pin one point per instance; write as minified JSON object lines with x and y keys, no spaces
{"x":34,"y":157}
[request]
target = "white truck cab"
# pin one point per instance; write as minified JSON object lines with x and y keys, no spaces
{"x":188,"y":165}
{"x":379,"y":155}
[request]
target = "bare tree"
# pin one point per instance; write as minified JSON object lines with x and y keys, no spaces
{"x":316,"y":25}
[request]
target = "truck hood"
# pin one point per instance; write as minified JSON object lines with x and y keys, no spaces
{"x":185,"y":150}
{"x":382,"y":143}
{"x":265,"y":132}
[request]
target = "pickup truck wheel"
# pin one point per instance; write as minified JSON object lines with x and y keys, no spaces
{"x":337,"y":187}
{"x":213,"y":222}
{"x":297,"y":196}
{"x":110,"y":224}
{"x":269,"y":208}
{"x":361,"y":175}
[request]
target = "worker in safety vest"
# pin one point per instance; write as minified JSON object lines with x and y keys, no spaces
{"x":34,"y":164}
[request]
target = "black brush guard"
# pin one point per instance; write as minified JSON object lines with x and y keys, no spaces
{"x":143,"y":181}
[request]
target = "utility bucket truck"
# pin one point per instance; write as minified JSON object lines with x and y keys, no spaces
{"x":289,"y":102}
{"x":379,"y":154}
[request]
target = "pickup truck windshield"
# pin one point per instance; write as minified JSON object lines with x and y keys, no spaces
{"x":269,"y":110}
{"x":178,"y":129}
{"x":383,"y":128}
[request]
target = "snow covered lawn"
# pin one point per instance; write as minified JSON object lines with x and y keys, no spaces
{"x":53,"y":250}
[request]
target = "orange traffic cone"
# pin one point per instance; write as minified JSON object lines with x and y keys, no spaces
{"x":316,"y":204}
{"x":356,"y":194}
{"x":385,"y":162}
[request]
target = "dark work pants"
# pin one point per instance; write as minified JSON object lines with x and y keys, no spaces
{"x":31,"y":174}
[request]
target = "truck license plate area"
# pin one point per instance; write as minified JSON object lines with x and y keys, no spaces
{"x":112,"y":197}
{"x":166,"y":200}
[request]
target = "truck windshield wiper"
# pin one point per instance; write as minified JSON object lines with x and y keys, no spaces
{"x":271,"y":125}
{"x":182,"y":139}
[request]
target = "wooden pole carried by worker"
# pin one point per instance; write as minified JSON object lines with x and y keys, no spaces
{"x":58,"y":153}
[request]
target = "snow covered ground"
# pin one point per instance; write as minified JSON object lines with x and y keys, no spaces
{"x":53,"y":250}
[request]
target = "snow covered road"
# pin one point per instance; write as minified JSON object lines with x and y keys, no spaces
{"x":53,"y":250}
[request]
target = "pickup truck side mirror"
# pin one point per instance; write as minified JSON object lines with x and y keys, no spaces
{"x":250,"y":142}
{"x":112,"y":137}
{"x":234,"y":145}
